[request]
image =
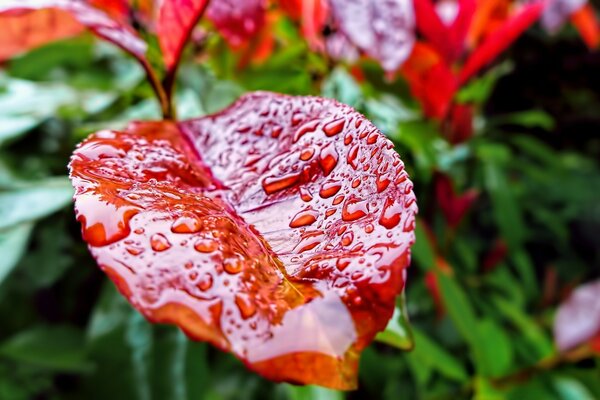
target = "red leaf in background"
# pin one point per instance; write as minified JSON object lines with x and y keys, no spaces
{"x":489,"y":16}
{"x":96,"y":20}
{"x":459,"y":127}
{"x":495,"y":256}
{"x":586,"y":22}
{"x":24,"y":31}
{"x":431,"y":80}
{"x":578,"y":318}
{"x":278,"y":230}
{"x":312,"y":15}
{"x":176,"y":20}
{"x":445,"y":25}
{"x":453,"y":206}
{"x":383,"y":29}
{"x":117,"y":9}
{"x":500,"y":40}
{"x":236,"y":20}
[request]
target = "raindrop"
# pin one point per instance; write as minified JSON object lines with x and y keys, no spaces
{"x":159,"y":242}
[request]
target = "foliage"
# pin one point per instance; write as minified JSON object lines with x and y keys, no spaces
{"x":507,"y":229}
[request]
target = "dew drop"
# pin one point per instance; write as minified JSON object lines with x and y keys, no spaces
{"x":274,"y":184}
{"x":328,"y":158}
{"x":307,"y":154}
{"x":369,"y":228}
{"x":205,"y":282}
{"x":373,"y":137}
{"x":159,"y":242}
{"x":304,"y":218}
{"x":206,"y":245}
{"x":338,"y":199}
{"x":186,"y":224}
{"x":306,"y":128}
{"x":390,"y":216}
{"x":329,"y":189}
{"x":354,"y":209}
{"x":382,"y":183}
{"x":341,"y":264}
{"x":245,"y":305}
{"x":234,"y":266}
{"x":351,"y":159}
{"x":334,"y":127}
{"x":347,"y":239}
{"x":305,"y":194}
{"x":134,"y":251}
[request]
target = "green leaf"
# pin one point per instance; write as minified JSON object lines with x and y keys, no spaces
{"x":496,"y":347}
{"x":528,"y":119}
{"x":422,"y":251}
{"x":571,"y":389}
{"x":312,"y":393}
{"x":13,"y":242}
{"x":398,"y":332}
{"x":30,"y":201}
{"x":427,"y":354}
{"x":59,"y":348}
{"x":340,"y":85}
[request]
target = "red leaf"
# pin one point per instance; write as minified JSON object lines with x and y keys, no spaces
{"x":453,"y":206}
{"x":431,"y":80}
{"x":176,"y":20}
{"x":96,"y":20}
{"x":500,"y":40}
{"x":578,"y":319}
{"x":459,"y":127}
{"x":433,"y":28}
{"x":24,"y":31}
{"x":237,"y":21}
{"x":277,"y":230}
{"x":489,"y":16}
{"x":117,"y":9}
{"x":383,"y":29}
{"x":586,"y":23}
{"x":313,"y":16}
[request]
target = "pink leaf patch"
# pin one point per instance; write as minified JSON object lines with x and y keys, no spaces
{"x":237,"y":21}
{"x":578,"y":318}
{"x":384,"y":29}
{"x":278,"y":230}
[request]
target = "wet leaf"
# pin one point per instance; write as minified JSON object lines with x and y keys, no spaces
{"x":280,"y":217}
{"x":578,"y":319}
{"x":384,"y":29}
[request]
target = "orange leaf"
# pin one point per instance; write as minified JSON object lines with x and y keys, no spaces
{"x":25,"y":30}
{"x":586,"y":23}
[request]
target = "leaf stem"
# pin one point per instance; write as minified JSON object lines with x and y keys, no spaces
{"x":166,"y":103}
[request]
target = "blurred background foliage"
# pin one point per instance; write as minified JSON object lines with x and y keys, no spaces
{"x":509,"y":224}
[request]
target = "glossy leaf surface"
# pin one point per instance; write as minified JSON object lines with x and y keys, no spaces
{"x":578,"y":318}
{"x":384,"y":29}
{"x":94,"y":19}
{"x":278,"y":230}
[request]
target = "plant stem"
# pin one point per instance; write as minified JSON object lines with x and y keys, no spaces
{"x":165,"y":100}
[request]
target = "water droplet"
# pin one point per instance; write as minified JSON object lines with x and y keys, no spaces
{"x":348,"y":139}
{"x":329,"y":189}
{"x":159,"y":242}
{"x":274,"y":184}
{"x":304,"y":218}
{"x":233,"y":266}
{"x":328,"y":158}
{"x":305,"y":194}
{"x":347,"y":239}
{"x":390,"y":216}
{"x":351,"y":159}
{"x":338,"y":199}
{"x":186,"y":224}
{"x":205,"y":282}
{"x":369,"y":228}
{"x":308,"y":127}
{"x":334,"y":127}
{"x":373,"y":137}
{"x":354,"y":209}
{"x":134,"y":251}
{"x":139,"y":231}
{"x":307,"y":153}
{"x":206,"y":245}
{"x":245,"y":305}
{"x":341,"y":264}
{"x":330,"y":212}
{"x":382,"y":183}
